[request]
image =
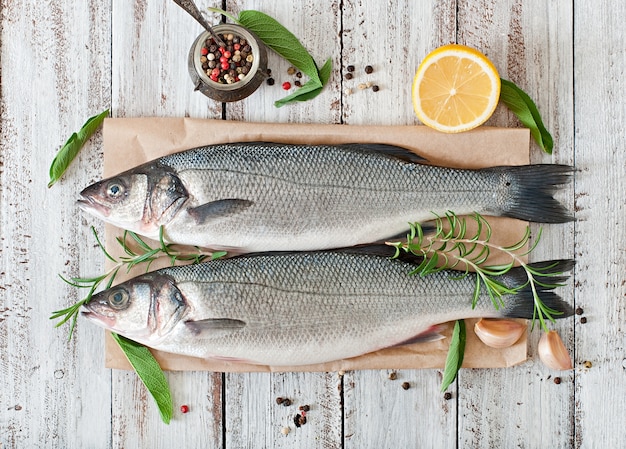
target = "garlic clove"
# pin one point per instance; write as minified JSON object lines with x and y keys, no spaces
{"x":499,"y":333}
{"x":552,"y":352}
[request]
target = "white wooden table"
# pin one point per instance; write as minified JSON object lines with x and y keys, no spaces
{"x":63,"y":61}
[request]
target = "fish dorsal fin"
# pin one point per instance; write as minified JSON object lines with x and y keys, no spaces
{"x":214,"y":326}
{"x":388,"y":150}
{"x":218,"y":209}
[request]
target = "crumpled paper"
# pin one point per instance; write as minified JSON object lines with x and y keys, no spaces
{"x":130,"y":142}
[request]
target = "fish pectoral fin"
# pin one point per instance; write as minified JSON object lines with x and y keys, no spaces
{"x":433,"y":333}
{"x":389,"y":150}
{"x":218,"y":209}
{"x":214,"y":325}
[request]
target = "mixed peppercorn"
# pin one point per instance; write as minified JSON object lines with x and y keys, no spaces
{"x":229,"y":64}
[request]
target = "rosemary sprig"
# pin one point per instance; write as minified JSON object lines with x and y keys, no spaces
{"x":137,"y":252}
{"x":453,"y":246}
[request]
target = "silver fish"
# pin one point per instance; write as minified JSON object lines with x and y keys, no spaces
{"x":299,"y":308}
{"x":255,"y":197}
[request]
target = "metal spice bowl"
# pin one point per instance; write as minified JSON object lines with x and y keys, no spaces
{"x":240,"y":89}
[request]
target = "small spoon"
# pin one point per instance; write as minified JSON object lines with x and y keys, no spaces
{"x":192,"y":9}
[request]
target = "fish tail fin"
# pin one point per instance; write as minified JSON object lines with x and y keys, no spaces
{"x":531,"y":192}
{"x":522,"y":305}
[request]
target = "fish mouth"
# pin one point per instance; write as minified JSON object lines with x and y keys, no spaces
{"x":88,"y":204}
{"x":99,"y":319}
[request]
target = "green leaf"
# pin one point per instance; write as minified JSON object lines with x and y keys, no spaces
{"x":281,"y":40}
{"x":68,"y":152}
{"x":525,"y":109}
{"x":150,"y":373}
{"x":310,"y":89}
{"x":456,"y":351}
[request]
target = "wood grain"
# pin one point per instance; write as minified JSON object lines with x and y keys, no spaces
{"x":63,"y":61}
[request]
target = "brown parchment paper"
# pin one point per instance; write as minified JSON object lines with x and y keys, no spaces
{"x":130,"y":142}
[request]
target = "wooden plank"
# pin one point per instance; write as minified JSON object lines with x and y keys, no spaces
{"x":251,"y":412}
{"x":393,"y":38}
{"x":537,"y":55}
{"x":150,"y":46}
{"x":254,"y":419}
{"x":600,"y":289}
{"x":51,"y":388}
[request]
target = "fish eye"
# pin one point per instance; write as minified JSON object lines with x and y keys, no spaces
{"x":118,"y":299}
{"x":115,"y":190}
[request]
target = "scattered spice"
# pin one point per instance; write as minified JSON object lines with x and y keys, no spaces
{"x":583,"y":320}
{"x":393,"y":375}
{"x":362,"y":86}
{"x":587,"y":364}
{"x":406,"y":385}
{"x":299,"y":420}
{"x":375,"y":88}
{"x":286,"y":402}
{"x":369,"y":69}
{"x":285,"y":430}
{"x":304,"y":408}
{"x":557,"y":380}
{"x":279,"y":400}
{"x":226,"y":65}
{"x":291,"y":70}
{"x":579,"y":311}
{"x":348,"y":91}
{"x":447,"y":396}
{"x":184,"y":408}
{"x":286,"y":85}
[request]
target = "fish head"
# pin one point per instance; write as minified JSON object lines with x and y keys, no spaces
{"x":146,"y":308}
{"x":139,"y":200}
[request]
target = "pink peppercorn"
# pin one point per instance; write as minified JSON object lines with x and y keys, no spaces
{"x":204,"y":51}
{"x":225,"y":65}
{"x":184,"y":408}
{"x":227,"y":54}
{"x":286,"y":85}
{"x":237,"y":46}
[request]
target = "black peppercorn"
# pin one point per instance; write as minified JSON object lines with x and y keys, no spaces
{"x":350,"y":68}
{"x":406,"y":386}
{"x":348,"y":76}
{"x":279,"y":400}
{"x":304,"y":408}
{"x":369,"y":69}
{"x":375,"y":88}
{"x":297,"y":83}
{"x":393,"y":375}
{"x":557,"y":380}
{"x":447,"y":396}
{"x":579,"y":311}
{"x":286,"y":402}
{"x":583,"y":320}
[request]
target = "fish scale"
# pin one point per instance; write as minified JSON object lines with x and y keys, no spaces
{"x":302,"y":308}
{"x":254,"y":197}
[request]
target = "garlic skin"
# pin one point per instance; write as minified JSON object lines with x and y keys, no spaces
{"x":499,"y":333}
{"x":552,"y":352}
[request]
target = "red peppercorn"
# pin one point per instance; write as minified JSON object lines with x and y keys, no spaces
{"x":204,"y":51}
{"x":227,"y":54}
{"x":215,"y":72}
{"x":222,"y":49}
{"x":286,"y":85}
{"x":237,"y":46}
{"x":223,"y":59}
{"x":225,"y":65}
{"x":184,"y":408}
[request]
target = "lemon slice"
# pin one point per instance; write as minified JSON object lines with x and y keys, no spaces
{"x":456,"y":88}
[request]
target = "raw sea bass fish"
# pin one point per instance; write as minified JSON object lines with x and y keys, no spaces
{"x":299,"y":308}
{"x":254,"y":197}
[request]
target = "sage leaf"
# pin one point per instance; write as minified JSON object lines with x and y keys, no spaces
{"x":456,"y":351}
{"x":281,"y":40}
{"x":150,"y":373}
{"x":68,"y":152}
{"x":310,"y":89}
{"x":520,"y":103}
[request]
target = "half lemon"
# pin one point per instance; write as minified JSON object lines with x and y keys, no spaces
{"x":456,"y":88}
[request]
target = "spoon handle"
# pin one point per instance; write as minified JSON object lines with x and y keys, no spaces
{"x":192,"y":9}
